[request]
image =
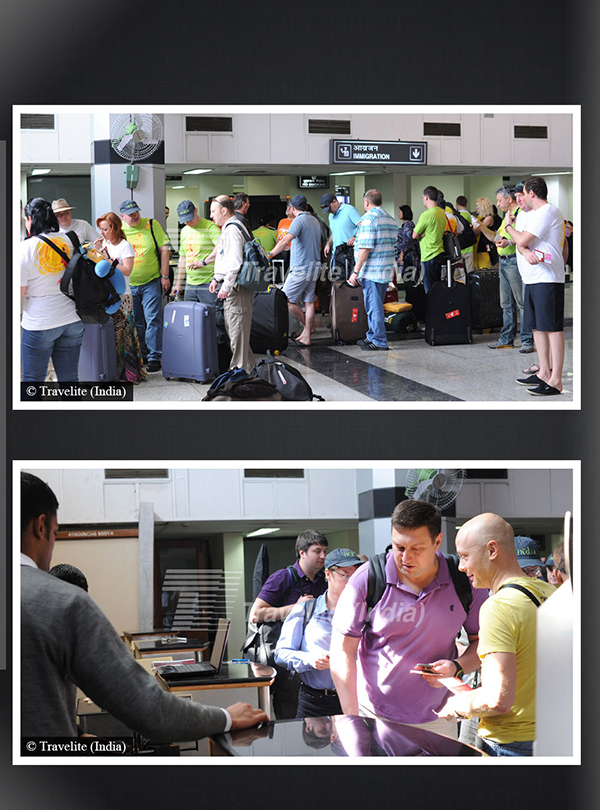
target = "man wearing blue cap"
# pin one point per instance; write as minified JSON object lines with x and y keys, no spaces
{"x":149,"y":278}
{"x":305,"y":639}
{"x":197,"y":253}
{"x":343,"y":221}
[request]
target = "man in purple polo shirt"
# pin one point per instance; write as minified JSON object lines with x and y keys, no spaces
{"x":416,"y":621}
{"x":282,"y":590}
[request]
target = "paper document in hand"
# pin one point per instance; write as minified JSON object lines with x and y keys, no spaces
{"x":455,"y":685}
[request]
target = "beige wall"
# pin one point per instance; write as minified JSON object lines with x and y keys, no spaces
{"x":111,"y":568}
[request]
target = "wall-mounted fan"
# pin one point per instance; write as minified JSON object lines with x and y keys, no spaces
{"x":439,"y":487}
{"x":136,"y":137}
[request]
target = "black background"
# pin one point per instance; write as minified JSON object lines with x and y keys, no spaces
{"x":311,"y":53}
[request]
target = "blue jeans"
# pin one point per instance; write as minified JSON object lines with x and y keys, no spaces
{"x":513,"y":749}
{"x":311,"y":705}
{"x":199,"y":292}
{"x":62,"y":344}
{"x":147,"y":311}
{"x":374,"y":293}
{"x":511,"y":297}
{"x":432,"y":271}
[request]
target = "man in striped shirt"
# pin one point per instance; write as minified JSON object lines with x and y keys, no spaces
{"x":374,"y":251}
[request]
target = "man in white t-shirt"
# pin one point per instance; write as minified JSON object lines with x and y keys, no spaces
{"x":539,"y":234}
{"x":83,"y":229}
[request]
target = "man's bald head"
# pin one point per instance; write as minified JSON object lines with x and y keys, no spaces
{"x":486,"y":547}
{"x":489,"y":526}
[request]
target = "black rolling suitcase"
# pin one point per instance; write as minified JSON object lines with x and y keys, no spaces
{"x":348,"y":314}
{"x":448,"y":319}
{"x":486,"y":311}
{"x":270,"y":322}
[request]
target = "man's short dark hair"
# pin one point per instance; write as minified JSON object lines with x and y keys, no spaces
{"x":538,"y":186}
{"x":36,"y":499}
{"x":239,"y":199}
{"x":313,"y":740}
{"x":431,"y":193}
{"x":68,"y":573}
{"x":309,"y":538}
{"x":414,"y":514}
{"x":462,"y":200}
{"x":373,"y":196}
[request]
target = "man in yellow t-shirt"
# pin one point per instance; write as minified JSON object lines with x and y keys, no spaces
{"x":149,"y":278}
{"x":505,"y":702}
{"x":198,"y":248}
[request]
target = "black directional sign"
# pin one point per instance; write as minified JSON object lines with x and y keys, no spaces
{"x":372,"y":152}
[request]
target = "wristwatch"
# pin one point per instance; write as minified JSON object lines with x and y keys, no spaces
{"x":164,"y":276}
{"x":203,"y":262}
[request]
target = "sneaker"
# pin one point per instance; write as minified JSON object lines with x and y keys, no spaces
{"x":527,"y":348}
{"x":363,"y":342}
{"x":498,"y":345}
{"x":371,"y":347}
{"x":533,"y":379}
{"x":154,"y":365}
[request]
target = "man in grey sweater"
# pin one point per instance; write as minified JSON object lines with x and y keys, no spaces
{"x":66,"y":641}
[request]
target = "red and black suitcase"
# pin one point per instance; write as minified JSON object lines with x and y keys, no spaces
{"x":448,"y":316}
{"x":270,"y":322}
{"x":98,"y":355}
{"x":486,"y":311}
{"x":348,"y":314}
{"x":190,"y":341}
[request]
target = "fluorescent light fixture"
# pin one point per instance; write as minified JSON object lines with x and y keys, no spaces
{"x":40,"y":171}
{"x":260,"y":532}
{"x":177,"y":186}
{"x":343,"y":174}
{"x":553,"y":174}
{"x":198,"y":171}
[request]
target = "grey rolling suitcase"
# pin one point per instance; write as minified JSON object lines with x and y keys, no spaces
{"x":98,"y":356}
{"x":190,"y":341}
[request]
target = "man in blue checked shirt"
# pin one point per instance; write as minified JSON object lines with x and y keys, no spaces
{"x":306,"y":635}
{"x":374,"y":251}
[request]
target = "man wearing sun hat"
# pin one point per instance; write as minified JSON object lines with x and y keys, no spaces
{"x":197,"y":251}
{"x":149,"y":278}
{"x":83,"y":229}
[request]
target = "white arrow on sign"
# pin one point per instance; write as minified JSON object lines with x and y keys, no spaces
{"x":416,"y":152}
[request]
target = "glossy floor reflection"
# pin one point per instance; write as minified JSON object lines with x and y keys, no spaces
{"x":411,"y":371}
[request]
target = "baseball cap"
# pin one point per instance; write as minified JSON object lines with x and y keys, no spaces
{"x":342,"y":557}
{"x":129,"y":207}
{"x":326,"y":201}
{"x":528,"y":552}
{"x":549,"y":561}
{"x":298,"y":200}
{"x":61,"y":205}
{"x":185,"y":211}
{"x":520,"y":186}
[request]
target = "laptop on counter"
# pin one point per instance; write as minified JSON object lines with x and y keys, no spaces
{"x":204,"y":668}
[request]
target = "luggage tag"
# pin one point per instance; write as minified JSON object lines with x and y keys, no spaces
{"x":454,"y":314}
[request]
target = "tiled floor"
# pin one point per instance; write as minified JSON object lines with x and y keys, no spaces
{"x":410,"y":371}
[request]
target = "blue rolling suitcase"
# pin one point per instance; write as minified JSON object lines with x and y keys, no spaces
{"x":190,"y":341}
{"x":98,"y":356}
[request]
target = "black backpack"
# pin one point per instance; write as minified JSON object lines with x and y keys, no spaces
{"x":256,"y":268}
{"x":377,"y":582}
{"x":343,"y":263}
{"x":92,"y":294}
{"x":467,"y":237}
{"x":289,"y":382}
{"x":262,"y":638}
{"x":237,"y":385}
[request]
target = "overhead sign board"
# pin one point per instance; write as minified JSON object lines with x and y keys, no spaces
{"x":313,"y":181}
{"x":385,"y":152}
